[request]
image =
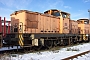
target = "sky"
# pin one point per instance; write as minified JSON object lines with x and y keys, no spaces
{"x":77,"y":8}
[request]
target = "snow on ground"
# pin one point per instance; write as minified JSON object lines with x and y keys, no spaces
{"x":55,"y":55}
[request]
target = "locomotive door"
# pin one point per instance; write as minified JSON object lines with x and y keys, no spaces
{"x":20,"y":27}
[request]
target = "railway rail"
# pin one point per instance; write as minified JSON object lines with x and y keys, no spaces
{"x":15,"y":49}
{"x":75,"y":56}
{"x":2,"y":51}
{"x":19,"y":49}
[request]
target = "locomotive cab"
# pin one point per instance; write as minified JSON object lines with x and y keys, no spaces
{"x":57,"y":13}
{"x":53,"y":12}
{"x":64,"y":19}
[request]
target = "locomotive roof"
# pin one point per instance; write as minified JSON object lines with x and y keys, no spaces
{"x":82,"y":19}
{"x":19,"y":11}
{"x":57,"y":10}
{"x":16,"y":12}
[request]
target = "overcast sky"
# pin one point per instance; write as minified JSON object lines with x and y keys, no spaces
{"x":77,"y":8}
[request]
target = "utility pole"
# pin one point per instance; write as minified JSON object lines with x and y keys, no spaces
{"x":89,"y":15}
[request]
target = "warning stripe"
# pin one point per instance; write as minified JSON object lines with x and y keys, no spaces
{"x":21,"y":40}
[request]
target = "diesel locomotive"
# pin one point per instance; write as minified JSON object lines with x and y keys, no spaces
{"x":51,"y":28}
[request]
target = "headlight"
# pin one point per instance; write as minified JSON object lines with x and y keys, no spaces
{"x":86,"y":34}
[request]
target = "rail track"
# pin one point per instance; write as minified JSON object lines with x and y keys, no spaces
{"x":75,"y":56}
{"x":21,"y":51}
{"x":11,"y":51}
{"x":29,"y":49}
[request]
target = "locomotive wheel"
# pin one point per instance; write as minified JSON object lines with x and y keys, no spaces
{"x":37,"y":47}
{"x":71,"y":41}
{"x":49,"y":44}
{"x":55,"y":43}
{"x":61,"y":42}
{"x":75,"y":41}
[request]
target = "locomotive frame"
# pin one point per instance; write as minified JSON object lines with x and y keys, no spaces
{"x":44,"y":40}
{"x":48,"y":38}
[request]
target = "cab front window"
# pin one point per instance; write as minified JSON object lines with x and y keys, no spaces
{"x":56,"y":13}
